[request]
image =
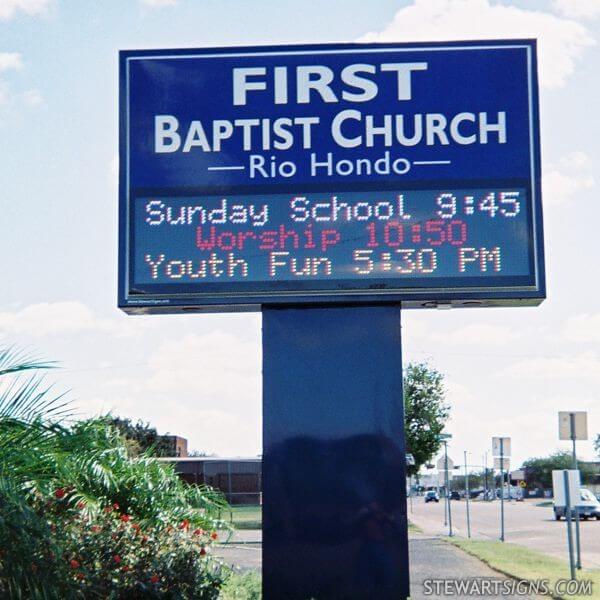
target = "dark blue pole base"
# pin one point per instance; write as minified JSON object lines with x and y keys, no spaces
{"x":334,"y":511}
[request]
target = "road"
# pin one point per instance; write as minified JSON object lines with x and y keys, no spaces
{"x":525,"y":524}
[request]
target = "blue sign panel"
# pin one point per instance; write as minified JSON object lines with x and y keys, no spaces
{"x":330,"y":174}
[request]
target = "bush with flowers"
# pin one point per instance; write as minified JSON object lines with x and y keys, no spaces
{"x":79,"y":518}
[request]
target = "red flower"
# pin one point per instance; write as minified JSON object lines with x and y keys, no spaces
{"x":80,"y":576}
{"x":198,"y":531}
{"x":125,"y":568}
{"x":184,"y":524}
{"x":116,"y":506}
{"x":144,"y":539}
{"x":202,"y":551}
{"x":60,"y":493}
{"x":74,"y":564}
{"x":213,"y":535}
{"x":81,"y":505}
{"x":117,"y":558}
{"x":154,"y":579}
{"x":108,"y":509}
{"x":96,"y":528}
{"x":125,"y":518}
{"x":135,"y":527}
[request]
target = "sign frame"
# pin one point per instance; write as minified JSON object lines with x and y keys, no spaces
{"x":507,"y":446}
{"x":579,"y":420}
{"x":446,"y":293}
{"x":558,"y":487}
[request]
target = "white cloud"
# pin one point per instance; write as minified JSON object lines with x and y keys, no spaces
{"x":577,"y":9}
{"x":50,"y":318}
{"x":64,"y":318}
{"x":561,"y":41}
{"x":573,"y":367}
{"x":32,"y":98}
{"x":10,"y":60}
{"x":583,"y":328}
{"x":562,"y":181}
{"x":9,"y":8}
{"x":476,"y":334}
{"x":113,"y":171}
{"x":214,"y":366}
{"x":5,"y":94}
{"x":472,"y":334}
{"x":158,"y":3}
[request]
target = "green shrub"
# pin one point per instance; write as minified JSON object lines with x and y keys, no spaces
{"x":245,"y":586}
{"x":80,"y":519}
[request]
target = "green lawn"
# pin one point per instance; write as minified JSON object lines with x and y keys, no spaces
{"x":245,"y":517}
{"x":412,"y":528}
{"x":525,"y":564}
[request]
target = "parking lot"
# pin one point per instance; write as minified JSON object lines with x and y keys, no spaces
{"x":525,"y":523}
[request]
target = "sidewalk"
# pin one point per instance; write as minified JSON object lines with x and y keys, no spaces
{"x":430,"y":559}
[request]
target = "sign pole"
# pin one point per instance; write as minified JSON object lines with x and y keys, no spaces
{"x":569,"y":525}
{"x":450,"y":534}
{"x":501,"y":489}
{"x":467,"y":498}
{"x":334,"y":465}
{"x":445,"y":501}
{"x":577,"y":535}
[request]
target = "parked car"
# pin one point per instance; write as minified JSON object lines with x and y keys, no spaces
{"x":454,"y":495}
{"x":588,"y":506}
{"x":431,"y":496}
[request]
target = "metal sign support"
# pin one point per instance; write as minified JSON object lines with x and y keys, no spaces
{"x":569,"y":524}
{"x":577,"y":535}
{"x":447,"y":480}
{"x":334,"y":467}
{"x":467,"y":498}
{"x":501,"y":489}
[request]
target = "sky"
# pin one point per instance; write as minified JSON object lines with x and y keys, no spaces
{"x":508,"y":371}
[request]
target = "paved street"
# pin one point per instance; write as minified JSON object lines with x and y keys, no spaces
{"x":526,"y":524}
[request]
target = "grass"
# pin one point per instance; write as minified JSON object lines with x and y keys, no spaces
{"x":524,"y":564}
{"x":246,"y":517}
{"x":412,"y":528}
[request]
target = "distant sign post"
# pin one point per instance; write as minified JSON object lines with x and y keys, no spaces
{"x":572,"y":425}
{"x":501,"y":450}
{"x":445,"y":465}
{"x":328,"y":186}
{"x":566,"y":486}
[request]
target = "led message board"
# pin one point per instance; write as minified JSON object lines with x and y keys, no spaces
{"x":330,"y":174}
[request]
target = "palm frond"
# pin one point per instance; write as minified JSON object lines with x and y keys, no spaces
{"x":14,"y":361}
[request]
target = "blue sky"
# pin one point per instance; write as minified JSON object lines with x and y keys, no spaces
{"x":508,"y":370}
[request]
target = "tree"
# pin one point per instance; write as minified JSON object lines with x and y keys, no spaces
{"x":538,"y":470}
{"x":425,"y":412}
{"x":140,"y":437}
